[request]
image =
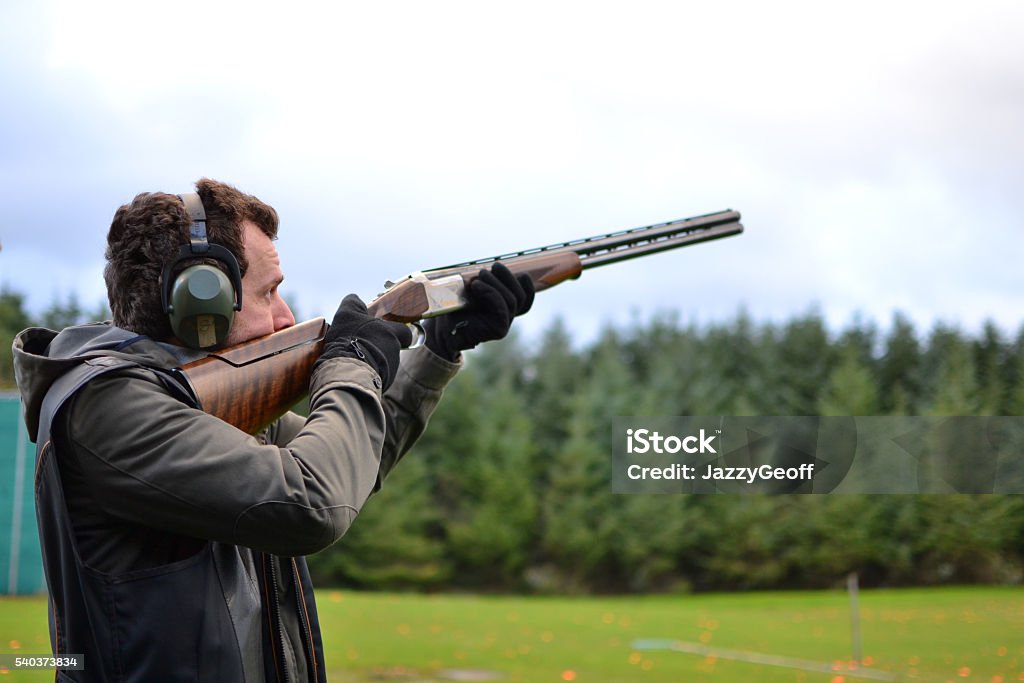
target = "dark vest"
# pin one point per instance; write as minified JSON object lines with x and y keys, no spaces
{"x":213,"y":617}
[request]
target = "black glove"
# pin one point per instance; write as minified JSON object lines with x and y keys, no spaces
{"x":496,"y":296}
{"x":354,"y":333}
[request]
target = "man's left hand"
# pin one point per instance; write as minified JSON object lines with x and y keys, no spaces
{"x":496,"y":297}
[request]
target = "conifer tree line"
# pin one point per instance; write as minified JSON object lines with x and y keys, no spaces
{"x":509,"y":489}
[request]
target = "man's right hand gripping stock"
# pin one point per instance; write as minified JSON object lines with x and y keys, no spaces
{"x":354,"y":333}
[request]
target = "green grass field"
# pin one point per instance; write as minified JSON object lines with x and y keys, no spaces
{"x":952,"y":634}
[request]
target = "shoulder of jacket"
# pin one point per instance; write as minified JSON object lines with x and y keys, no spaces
{"x":70,"y":383}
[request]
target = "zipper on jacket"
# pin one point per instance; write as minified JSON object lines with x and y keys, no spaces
{"x":273,"y":608}
{"x":307,"y":635}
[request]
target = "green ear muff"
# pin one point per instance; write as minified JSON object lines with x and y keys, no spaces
{"x":202,"y":303}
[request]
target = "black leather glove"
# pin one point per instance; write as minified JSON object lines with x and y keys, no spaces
{"x":496,"y":297}
{"x":354,"y":333}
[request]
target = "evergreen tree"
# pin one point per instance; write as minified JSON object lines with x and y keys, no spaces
{"x":851,"y":388}
{"x":491,"y":520}
{"x":13,"y":319}
{"x":578,"y":508}
{"x":804,"y":361}
{"x":734,"y":361}
{"x":991,"y":364}
{"x":899,"y":370}
{"x":573,"y":507}
{"x":862,"y":335}
{"x":63,"y":314}
{"x":554,"y":375}
{"x":1015,"y":376}
{"x":392,"y":544}
{"x":955,"y":384}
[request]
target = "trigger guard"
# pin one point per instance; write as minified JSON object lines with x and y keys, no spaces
{"x":419,"y":336}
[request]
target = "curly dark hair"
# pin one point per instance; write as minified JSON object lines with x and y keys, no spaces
{"x":148,"y":233}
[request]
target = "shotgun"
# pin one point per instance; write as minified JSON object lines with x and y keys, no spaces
{"x":253,"y":383}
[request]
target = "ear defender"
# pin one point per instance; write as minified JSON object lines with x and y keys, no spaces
{"x":201,"y":301}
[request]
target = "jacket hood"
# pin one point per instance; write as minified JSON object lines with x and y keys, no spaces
{"x":42,"y":355}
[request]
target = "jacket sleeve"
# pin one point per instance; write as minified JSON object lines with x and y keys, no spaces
{"x":410,"y":401}
{"x":150,"y":459}
{"x":408,"y":405}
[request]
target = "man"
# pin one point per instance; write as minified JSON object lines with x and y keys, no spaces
{"x":172,"y":541}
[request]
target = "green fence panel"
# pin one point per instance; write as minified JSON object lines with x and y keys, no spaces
{"x":21,"y":564}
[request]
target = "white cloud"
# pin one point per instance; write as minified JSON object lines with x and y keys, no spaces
{"x":873,"y":149}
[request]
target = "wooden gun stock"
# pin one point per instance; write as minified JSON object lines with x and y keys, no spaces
{"x":254,"y":383}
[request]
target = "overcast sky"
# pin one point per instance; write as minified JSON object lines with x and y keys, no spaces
{"x":874,"y":148}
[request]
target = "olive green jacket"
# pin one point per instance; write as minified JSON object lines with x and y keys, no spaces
{"x":151,"y":485}
{"x":144,"y":457}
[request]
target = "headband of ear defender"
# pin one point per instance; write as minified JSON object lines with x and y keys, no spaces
{"x":201,"y":301}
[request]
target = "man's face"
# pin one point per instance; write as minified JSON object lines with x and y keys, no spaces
{"x":263,"y":309}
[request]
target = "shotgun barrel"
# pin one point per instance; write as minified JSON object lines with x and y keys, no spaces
{"x":620,"y":246}
{"x":438,"y":291}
